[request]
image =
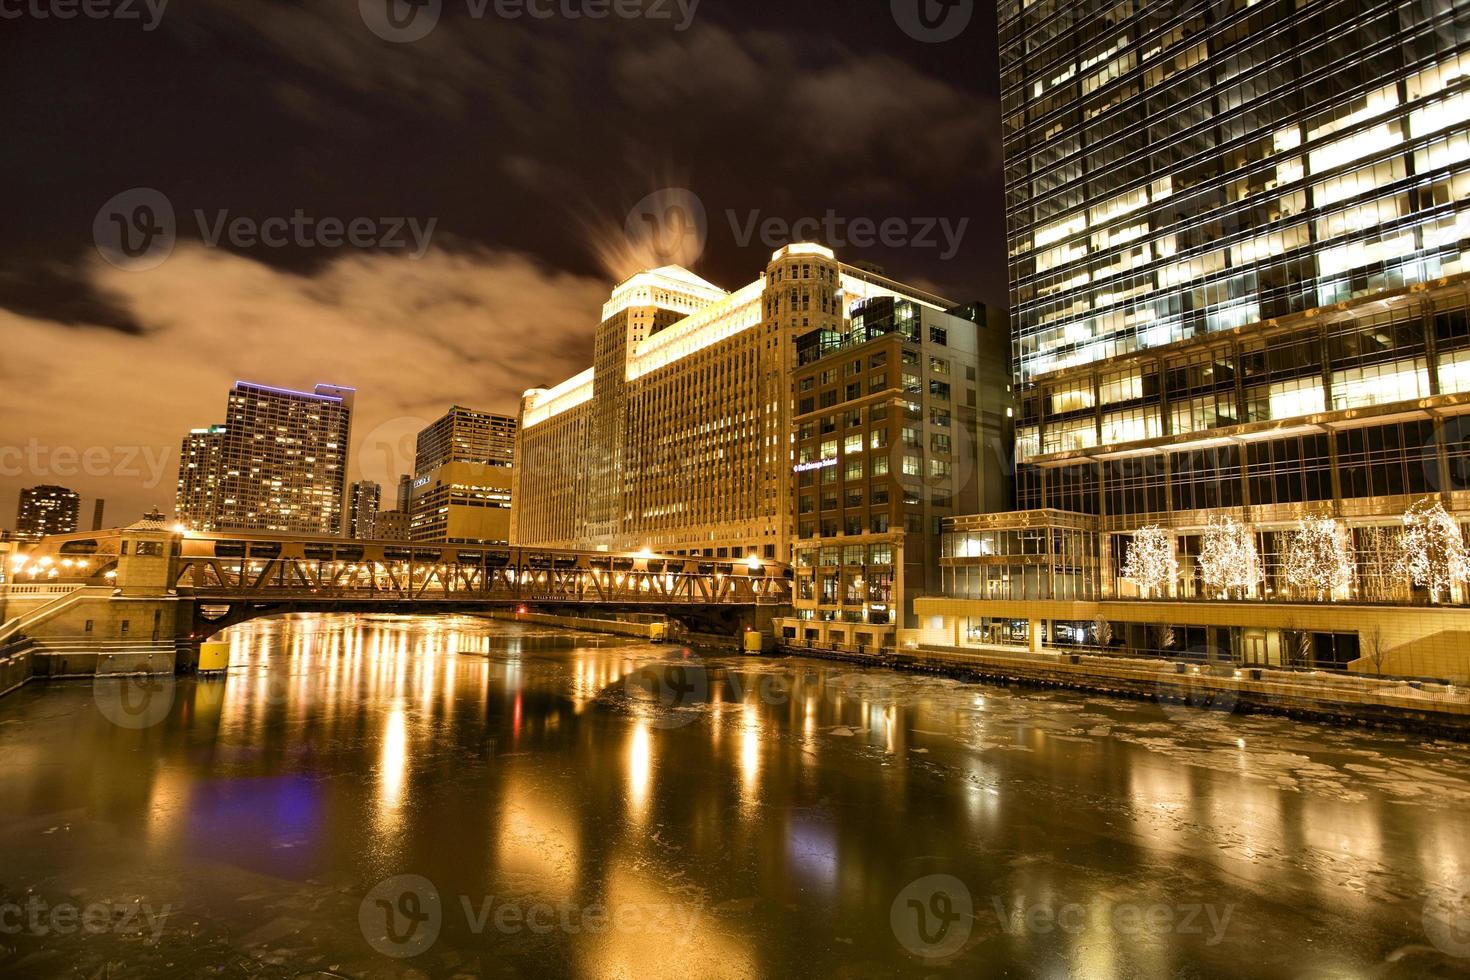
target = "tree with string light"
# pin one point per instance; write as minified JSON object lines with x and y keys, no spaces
{"x":1433,"y":544}
{"x":1228,"y":561}
{"x":1318,"y":558}
{"x":1151,"y":564}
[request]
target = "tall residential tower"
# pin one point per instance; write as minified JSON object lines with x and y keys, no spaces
{"x":277,"y":464}
{"x":46,"y":510}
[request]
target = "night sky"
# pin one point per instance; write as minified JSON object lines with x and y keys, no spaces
{"x":525,"y":141}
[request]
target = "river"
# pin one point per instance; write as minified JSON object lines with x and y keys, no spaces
{"x":392,"y":797}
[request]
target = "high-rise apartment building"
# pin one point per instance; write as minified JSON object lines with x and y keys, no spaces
{"x":46,"y":510}
{"x":1237,"y":238}
{"x":201,"y":477}
{"x":901,"y":421}
{"x":680,"y":437}
{"x":277,"y":464}
{"x":404,"y":498}
{"x":466,"y":436}
{"x":363,"y":500}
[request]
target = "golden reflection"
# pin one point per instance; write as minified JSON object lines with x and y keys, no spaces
{"x":1160,"y":794}
{"x":168,"y":807}
{"x":392,"y":771}
{"x":1353,"y":841}
{"x":653,"y":933}
{"x":640,"y":771}
{"x":538,"y":842}
{"x":750,"y":759}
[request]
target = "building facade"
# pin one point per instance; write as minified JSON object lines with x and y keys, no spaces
{"x":901,"y":421}
{"x":679,"y":438}
{"x":363,"y":502}
{"x":46,"y":510}
{"x":277,"y":464}
{"x":465,"y":436}
{"x":201,"y":478}
{"x":1237,"y":236}
{"x":461,"y":493}
{"x":393,"y":525}
{"x":463,"y":503}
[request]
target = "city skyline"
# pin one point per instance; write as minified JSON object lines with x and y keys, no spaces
{"x":531,"y":241}
{"x":910,"y":488}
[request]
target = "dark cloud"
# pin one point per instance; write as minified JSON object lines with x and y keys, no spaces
{"x":528,"y":143}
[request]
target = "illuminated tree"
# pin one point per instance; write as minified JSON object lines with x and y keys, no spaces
{"x":1433,"y":545}
{"x":1318,"y":558}
{"x":1228,"y":560}
{"x":1151,"y":563}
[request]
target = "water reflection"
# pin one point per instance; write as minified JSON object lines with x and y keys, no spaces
{"x":640,"y":771}
{"x":750,"y":817}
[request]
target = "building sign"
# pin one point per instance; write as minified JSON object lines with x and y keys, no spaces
{"x":820,"y":464}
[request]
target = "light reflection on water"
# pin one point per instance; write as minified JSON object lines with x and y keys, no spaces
{"x":761,"y":816}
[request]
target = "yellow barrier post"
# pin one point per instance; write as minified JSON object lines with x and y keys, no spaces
{"x":213,"y":657}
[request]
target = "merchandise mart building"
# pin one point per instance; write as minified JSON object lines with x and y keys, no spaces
{"x":1236,"y":236}
{"x":682,"y":439}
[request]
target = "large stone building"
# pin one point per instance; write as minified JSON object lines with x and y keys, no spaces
{"x":46,"y":510}
{"x":277,"y":464}
{"x":1237,"y":238}
{"x":680,"y":439}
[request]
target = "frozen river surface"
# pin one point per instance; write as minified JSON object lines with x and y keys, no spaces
{"x":382,"y":797}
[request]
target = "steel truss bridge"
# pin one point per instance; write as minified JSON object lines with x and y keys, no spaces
{"x":238,"y":578}
{"x":220,"y":580}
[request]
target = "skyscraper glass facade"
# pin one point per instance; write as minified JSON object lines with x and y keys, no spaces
{"x":1240,"y":312}
{"x":1179,"y":169}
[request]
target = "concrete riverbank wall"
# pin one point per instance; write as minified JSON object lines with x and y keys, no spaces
{"x":1441,"y":709}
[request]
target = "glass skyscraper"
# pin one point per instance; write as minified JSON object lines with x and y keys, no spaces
{"x":1237,"y":234}
{"x":1181,"y":169}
